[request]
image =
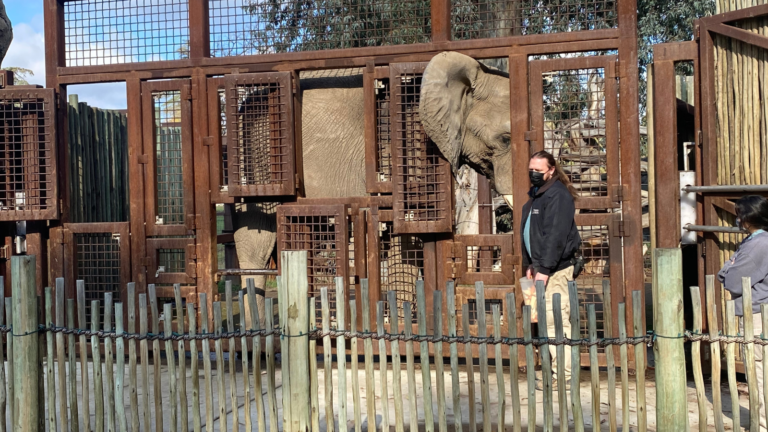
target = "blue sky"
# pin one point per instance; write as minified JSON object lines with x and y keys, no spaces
{"x":28,"y":51}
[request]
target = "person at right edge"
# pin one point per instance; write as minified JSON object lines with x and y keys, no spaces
{"x":551,"y":241}
{"x":750,"y":260}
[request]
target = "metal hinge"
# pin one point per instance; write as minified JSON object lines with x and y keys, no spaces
{"x":295,"y":85}
{"x":143,"y":159}
{"x":701,"y":137}
{"x":208,"y":141}
{"x":198,"y":221}
{"x":194,"y":91}
{"x":189,"y":222}
{"x":617,"y":193}
{"x":617,"y":69}
{"x":697,"y":32}
{"x":620,"y":228}
{"x":530,"y":135}
{"x":186,"y":92}
{"x":191,"y":252}
{"x":4,"y":252}
{"x":146,"y":261}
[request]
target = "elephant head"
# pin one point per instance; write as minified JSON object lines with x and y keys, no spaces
{"x":465,"y":110}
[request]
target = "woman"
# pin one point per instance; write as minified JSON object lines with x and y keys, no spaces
{"x":750,"y":260}
{"x":550,"y":239}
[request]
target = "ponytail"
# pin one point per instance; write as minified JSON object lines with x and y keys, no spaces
{"x":559,"y":173}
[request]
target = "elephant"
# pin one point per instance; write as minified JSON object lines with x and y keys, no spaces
{"x":464,"y":110}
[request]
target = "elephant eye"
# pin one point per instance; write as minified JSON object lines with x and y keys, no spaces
{"x":505,"y":139}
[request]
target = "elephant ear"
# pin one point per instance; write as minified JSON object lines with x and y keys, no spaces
{"x":447,"y":85}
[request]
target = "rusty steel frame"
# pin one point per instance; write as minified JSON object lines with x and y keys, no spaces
{"x":202,"y":71}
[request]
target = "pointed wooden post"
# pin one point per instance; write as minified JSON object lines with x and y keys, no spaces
{"x":671,"y":401}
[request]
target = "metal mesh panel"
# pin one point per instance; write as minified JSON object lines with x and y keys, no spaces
{"x":261,"y":138}
{"x":483,"y":259}
{"x":472,"y":317}
{"x":574,"y":127}
{"x":170,"y":183}
{"x":26,"y":160}
{"x":98,"y":265}
{"x":596,"y":252}
{"x":322,"y":236}
{"x":473,"y":19}
{"x":247,"y":27}
{"x":422,"y":190}
{"x":401,"y":261}
{"x":174,"y":260}
{"x":383,"y":131}
{"x":99,"y":32}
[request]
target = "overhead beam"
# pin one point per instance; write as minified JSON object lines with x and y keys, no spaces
{"x":741,"y":14}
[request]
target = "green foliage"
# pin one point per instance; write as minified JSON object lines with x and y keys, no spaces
{"x":660,"y":21}
{"x":20,"y":75}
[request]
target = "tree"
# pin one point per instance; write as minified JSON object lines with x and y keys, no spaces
{"x":20,"y":74}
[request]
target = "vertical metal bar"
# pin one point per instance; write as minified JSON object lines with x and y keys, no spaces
{"x":665,"y":152}
{"x":199,"y":30}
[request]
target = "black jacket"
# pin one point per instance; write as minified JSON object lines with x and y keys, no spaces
{"x":553,"y":235}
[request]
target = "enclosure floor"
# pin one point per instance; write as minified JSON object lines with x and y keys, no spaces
{"x":585,"y":397}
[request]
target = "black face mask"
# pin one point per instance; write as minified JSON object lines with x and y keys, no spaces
{"x":537,"y":178}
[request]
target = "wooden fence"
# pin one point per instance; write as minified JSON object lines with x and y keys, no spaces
{"x":98,"y":163}
{"x":66,"y":376}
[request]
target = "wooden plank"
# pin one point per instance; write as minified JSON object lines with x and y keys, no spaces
{"x":169,"y":358}
{"x":327,"y":360}
{"x":624,"y":367}
{"x":232,"y":354}
{"x":83,"y":325}
{"x":397,"y":390}
{"x":437,"y":313}
{"x":421,"y":316}
{"x":593,"y":366}
{"x":637,"y":316}
{"x":731,"y":328}
{"x":370,"y":399}
{"x":219,"y":366}
{"x":132,"y":375}
{"x":502,"y":403}
{"x":341,"y":354}
{"x":8,"y":336}
{"x":60,"y":347}
{"x":413,"y":411}
{"x":609,"y":354}
{"x":181,"y":354}
{"x":72,"y":378}
{"x":50,"y":381}
{"x":109,"y":376}
{"x":382,"y":368}
{"x":578,"y":415}
{"x":712,"y":325}
{"x":98,"y":383}
{"x":143,"y":347}
{"x":246,"y":367}
{"x":562,"y":400}
{"x":514,"y":370}
{"x":749,"y":355}
{"x":158,"y":394}
{"x":485,"y":395}
{"x":194,"y":369}
{"x":270,"y":314}
{"x":256,"y":325}
{"x":355,"y":356}
{"x":450,"y":304}
{"x":469,"y":362}
{"x":120,"y":372}
{"x":546,"y":359}
{"x":313,"y":384}
{"x":27,"y":414}
{"x":698,"y":376}
{"x":529,"y":364}
{"x":208,"y":384}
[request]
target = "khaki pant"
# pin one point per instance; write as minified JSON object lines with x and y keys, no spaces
{"x":758,"y":325}
{"x":558,"y":284}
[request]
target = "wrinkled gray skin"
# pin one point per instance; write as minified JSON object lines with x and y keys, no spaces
{"x":6,"y":32}
{"x":464,"y":109}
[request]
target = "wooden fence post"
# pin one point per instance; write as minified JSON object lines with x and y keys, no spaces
{"x":671,"y":401}
{"x":296,"y":326}
{"x":25,"y":359}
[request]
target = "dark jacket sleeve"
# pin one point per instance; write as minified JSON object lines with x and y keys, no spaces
{"x":526,"y":257}
{"x":558,"y":219}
